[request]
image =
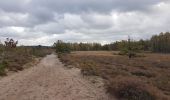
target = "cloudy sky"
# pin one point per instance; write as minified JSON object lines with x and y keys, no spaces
{"x":34,"y":22}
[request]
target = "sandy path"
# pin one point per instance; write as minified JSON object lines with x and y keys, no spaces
{"x":49,"y":80}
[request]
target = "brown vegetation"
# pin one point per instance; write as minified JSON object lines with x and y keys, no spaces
{"x":140,"y":76}
{"x":13,"y":59}
{"x":132,"y":88}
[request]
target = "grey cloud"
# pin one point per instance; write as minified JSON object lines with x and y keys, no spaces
{"x":75,"y":6}
{"x":42,"y":11}
{"x":14,"y":5}
{"x":44,"y":21}
{"x":51,"y":28}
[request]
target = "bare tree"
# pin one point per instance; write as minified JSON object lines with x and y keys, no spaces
{"x":10,"y":43}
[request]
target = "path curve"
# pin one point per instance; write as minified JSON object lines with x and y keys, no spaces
{"x":49,"y":80}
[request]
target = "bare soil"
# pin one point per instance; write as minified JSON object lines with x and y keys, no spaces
{"x":50,"y":80}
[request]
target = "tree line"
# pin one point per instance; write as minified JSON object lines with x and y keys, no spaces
{"x":67,"y":47}
{"x":161,"y":42}
{"x":157,"y":43}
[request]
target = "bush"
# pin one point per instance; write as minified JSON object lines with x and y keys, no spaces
{"x":123,"y":52}
{"x":128,"y":88}
{"x":129,"y":53}
{"x":62,"y":47}
{"x":143,"y":73}
{"x":13,"y":66}
{"x":88,"y":68}
{"x":40,"y":51}
{"x":3,"y":66}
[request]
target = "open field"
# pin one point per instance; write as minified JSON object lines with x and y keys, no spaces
{"x":147,"y":75}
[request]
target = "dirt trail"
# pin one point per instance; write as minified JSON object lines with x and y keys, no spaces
{"x":49,"y":80}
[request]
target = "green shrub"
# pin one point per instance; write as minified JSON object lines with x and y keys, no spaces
{"x":40,"y":52}
{"x":3,"y":66}
{"x":123,"y":51}
{"x":62,"y":47}
{"x":127,"y":52}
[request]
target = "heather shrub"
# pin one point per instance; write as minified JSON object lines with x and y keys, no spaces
{"x":131,"y":88}
{"x":143,"y":73}
{"x":88,"y":68}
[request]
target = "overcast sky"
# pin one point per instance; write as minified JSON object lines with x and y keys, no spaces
{"x":34,"y":22}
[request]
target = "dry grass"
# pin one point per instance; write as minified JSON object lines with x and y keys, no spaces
{"x":151,"y":68}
